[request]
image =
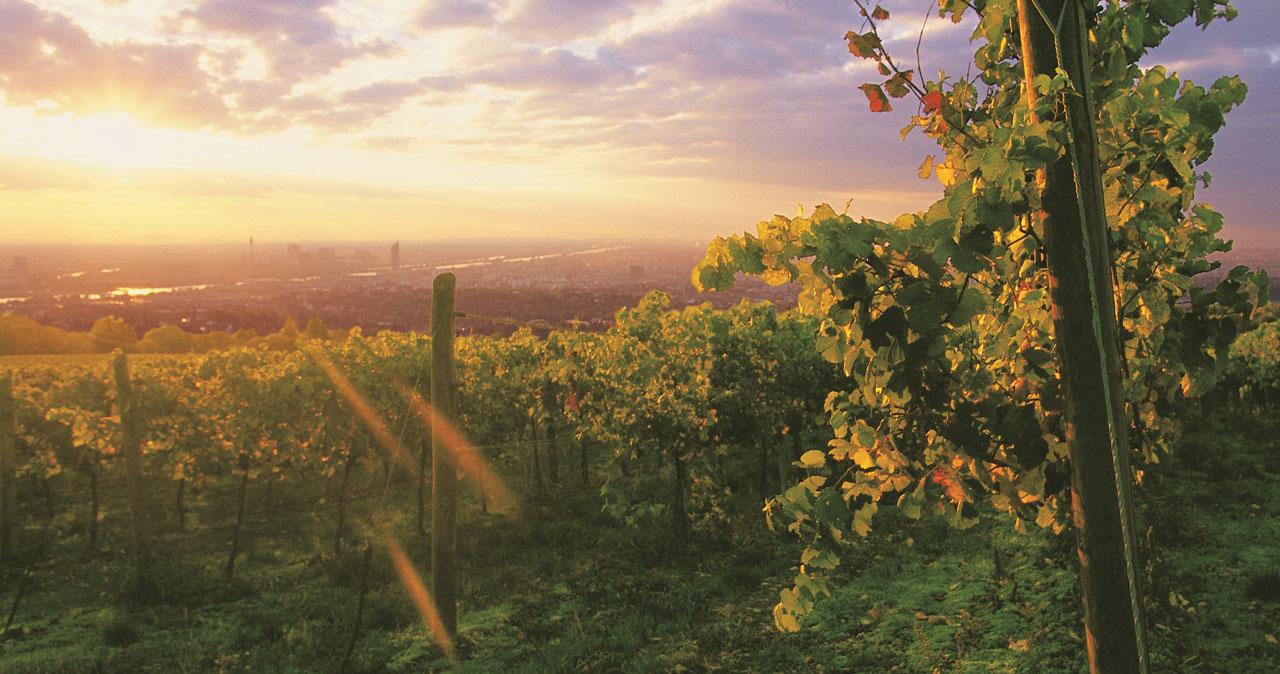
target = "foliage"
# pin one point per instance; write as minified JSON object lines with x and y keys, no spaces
{"x":554,"y":591}
{"x":941,"y":319}
{"x":1255,"y":364}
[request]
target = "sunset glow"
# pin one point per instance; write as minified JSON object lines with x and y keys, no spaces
{"x":203,"y":119}
{"x":745,"y":336}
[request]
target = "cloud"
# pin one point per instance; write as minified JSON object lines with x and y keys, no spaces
{"x":559,"y":20}
{"x":299,"y":38}
{"x":555,"y":69}
{"x":49,"y":62}
{"x":444,"y":14}
{"x":394,"y":92}
{"x":760,"y":91}
{"x":753,"y":39}
{"x":753,"y":90}
{"x":1272,"y":53}
{"x":357,"y":108}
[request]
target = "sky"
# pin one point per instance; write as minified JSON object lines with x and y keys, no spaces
{"x":168,"y":121}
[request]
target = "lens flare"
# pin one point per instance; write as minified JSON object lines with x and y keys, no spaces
{"x":364,"y":410}
{"x":421,"y":597}
{"x":465,"y":456}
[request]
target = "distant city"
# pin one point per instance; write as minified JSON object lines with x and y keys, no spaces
{"x":377,"y":286}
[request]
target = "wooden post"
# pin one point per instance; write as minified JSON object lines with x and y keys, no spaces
{"x":229,"y":574}
{"x":444,"y":470}
{"x":553,"y":450}
{"x":8,"y":499}
{"x":537,"y":461}
{"x":131,"y":448}
{"x":363,"y":590}
{"x":340,"y":528}
{"x":679,"y":511}
{"x":1084,"y":316}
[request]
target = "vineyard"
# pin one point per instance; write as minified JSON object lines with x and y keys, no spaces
{"x":260,"y":469}
{"x":1015,"y":430}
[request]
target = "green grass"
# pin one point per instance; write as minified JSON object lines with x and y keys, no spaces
{"x":564,"y":589}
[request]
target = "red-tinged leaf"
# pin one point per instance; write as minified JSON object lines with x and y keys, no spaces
{"x":897,"y":85}
{"x":879,"y":13}
{"x":879,"y":102}
{"x":864,"y":46}
{"x":932,"y":102}
{"x":884,"y":69}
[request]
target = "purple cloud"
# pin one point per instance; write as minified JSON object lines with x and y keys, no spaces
{"x":298,"y":37}
{"x":555,"y":69}
{"x":443,"y":14}
{"x":558,"y":20}
{"x":393,"y":93}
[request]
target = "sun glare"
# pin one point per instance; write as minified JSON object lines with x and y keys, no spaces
{"x":117,"y":140}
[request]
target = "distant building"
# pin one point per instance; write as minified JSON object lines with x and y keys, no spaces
{"x":294,"y":253}
{"x":21,"y":266}
{"x":395,"y":255}
{"x":326,"y":257}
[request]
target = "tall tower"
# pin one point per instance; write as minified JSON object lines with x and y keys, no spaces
{"x":395,"y":255}
{"x":251,"y":246}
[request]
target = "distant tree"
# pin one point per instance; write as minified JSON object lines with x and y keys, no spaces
{"x":110,"y":333}
{"x":23,"y":335}
{"x":284,"y":339}
{"x":316,"y":329}
{"x":169,"y":339}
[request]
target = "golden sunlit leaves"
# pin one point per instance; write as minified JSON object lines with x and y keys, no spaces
{"x":926,"y":167}
{"x":813,"y":459}
{"x":947,"y":175}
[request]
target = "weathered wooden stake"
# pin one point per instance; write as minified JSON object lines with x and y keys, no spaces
{"x":230,"y":572}
{"x":340,"y":528}
{"x":537,"y":460}
{"x":131,"y":448}
{"x":1054,"y":35}
{"x":679,"y":512}
{"x":444,"y":470}
{"x":8,"y":498}
{"x":363,"y":590}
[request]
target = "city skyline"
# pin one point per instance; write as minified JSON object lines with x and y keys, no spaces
{"x":184,"y":121}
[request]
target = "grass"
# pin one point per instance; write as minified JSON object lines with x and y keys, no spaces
{"x":564,"y":589}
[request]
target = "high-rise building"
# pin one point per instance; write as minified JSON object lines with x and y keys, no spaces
{"x":395,"y":255}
